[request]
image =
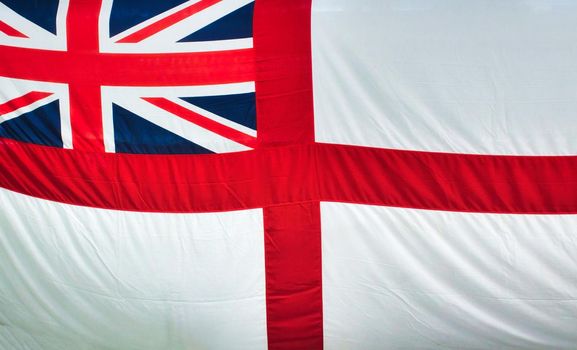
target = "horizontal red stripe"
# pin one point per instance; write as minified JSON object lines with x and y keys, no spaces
{"x":128,"y":69}
{"x":445,"y":181}
{"x":167,"y":21}
{"x":21,"y":101}
{"x":10,"y":31}
{"x":203,"y":122}
{"x":254,"y":179}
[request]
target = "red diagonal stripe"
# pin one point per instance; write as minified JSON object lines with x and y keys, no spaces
{"x":167,"y":21}
{"x":22,"y":101}
{"x":202,"y":121}
{"x":10,"y":31}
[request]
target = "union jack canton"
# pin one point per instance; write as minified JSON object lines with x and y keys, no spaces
{"x":167,"y":118}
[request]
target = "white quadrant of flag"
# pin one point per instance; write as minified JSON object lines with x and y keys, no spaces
{"x":396,"y":278}
{"x":446,"y":76}
{"x":110,"y":279}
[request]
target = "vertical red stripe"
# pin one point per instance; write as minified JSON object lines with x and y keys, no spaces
{"x":85,"y":98}
{"x":282,"y":43}
{"x":285,"y":117}
{"x":86,"y":117}
{"x":293,"y":276}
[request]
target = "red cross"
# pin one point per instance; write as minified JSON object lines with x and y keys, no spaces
{"x":288,"y":174}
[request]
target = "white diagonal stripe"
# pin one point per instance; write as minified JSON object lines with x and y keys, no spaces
{"x":212,"y":116}
{"x":28,"y":108}
{"x":38,"y":37}
{"x":167,"y":39}
{"x":179,"y":126}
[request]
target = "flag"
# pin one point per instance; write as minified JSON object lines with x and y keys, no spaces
{"x":266,"y":174}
